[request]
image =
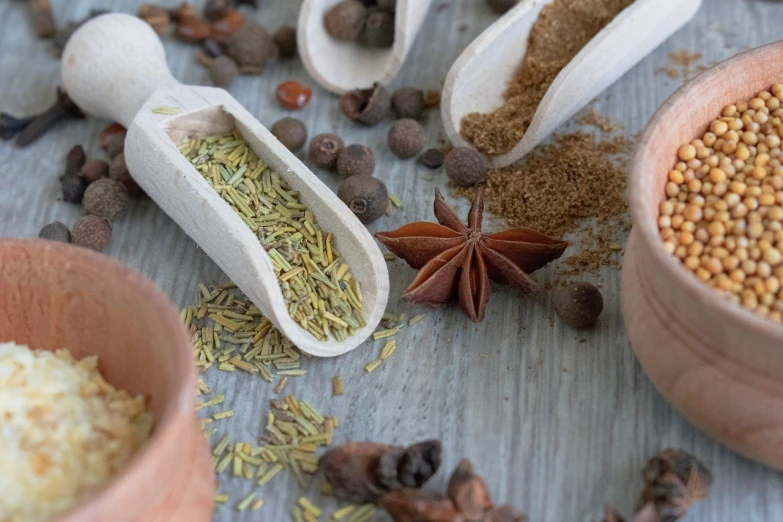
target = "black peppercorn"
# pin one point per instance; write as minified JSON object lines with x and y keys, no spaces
{"x":55,"y":232}
{"x":408,"y":102}
{"x":406,"y":138}
{"x":119,"y":170}
{"x":378,"y":29}
{"x":345,"y":20}
{"x":578,"y":304}
{"x":465,"y":166}
{"x":366,"y":196}
{"x":501,"y":6}
{"x":252,"y":46}
{"x":73,"y":187}
{"x":355,"y":160}
{"x":285,"y":38}
{"x":94,"y":170}
{"x":223,"y":71}
{"x":325,"y":149}
{"x":106,"y":198}
{"x":367,"y":106}
{"x":431,"y":158}
{"x":291,"y":132}
{"x":92,"y":232}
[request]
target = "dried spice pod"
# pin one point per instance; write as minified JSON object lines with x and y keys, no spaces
{"x":290,"y":132}
{"x":413,"y":505}
{"x":345,"y":21}
{"x":92,"y":232}
{"x":367,"y":197}
{"x":325,"y":149}
{"x":225,"y":27}
{"x":673,"y":481}
{"x":73,"y":187}
{"x":252,"y":46}
{"x":408,"y":102}
{"x":356,"y":160}
{"x":367,"y":106}
{"x":94,"y":170}
{"x":406,"y":138}
{"x":119,"y":170}
{"x":74,"y":161}
{"x":106,"y":198}
{"x":223,"y":71}
{"x":578,"y":304}
{"x":285,"y":38}
{"x":469,"y":492}
{"x":379,"y":29}
{"x":112,"y":140}
{"x":419,"y":463}
{"x":55,"y":232}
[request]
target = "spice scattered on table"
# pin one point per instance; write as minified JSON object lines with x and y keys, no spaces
{"x":285,"y":38}
{"x":66,"y":431}
{"x":55,"y":232}
{"x":293,"y":95}
{"x":223,"y":71}
{"x":408,"y":102}
{"x":367,"y":197}
{"x":92,"y":232}
{"x":465,"y":166}
{"x":317,"y":285}
{"x":252,"y":45}
{"x":368,"y":106}
{"x":452,"y":255}
{"x":432,"y":158}
{"x":355,"y":160}
{"x":674,"y":480}
{"x":325,"y":149}
{"x":106,"y":198}
{"x":369,"y":23}
{"x":63,"y":109}
{"x":93,"y":170}
{"x":291,"y":132}
{"x":562,"y":29}
{"x":578,"y":304}
{"x":723,"y":213}
{"x":406,"y":138}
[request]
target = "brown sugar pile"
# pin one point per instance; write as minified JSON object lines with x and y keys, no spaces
{"x":563,"y":28}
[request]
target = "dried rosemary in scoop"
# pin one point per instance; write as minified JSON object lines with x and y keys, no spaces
{"x":319,"y":290}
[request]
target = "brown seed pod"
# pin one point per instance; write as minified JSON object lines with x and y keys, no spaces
{"x":578,"y":304}
{"x":325,"y":149}
{"x":408,"y":102}
{"x":355,"y":160}
{"x":406,"y":138}
{"x":674,"y":480}
{"x":469,"y":492}
{"x":106,"y":198}
{"x":285,"y":38}
{"x":366,"y":196}
{"x":378,"y":29}
{"x":431,"y":158}
{"x":252,"y":46}
{"x":414,"y":505}
{"x":92,"y":232}
{"x":501,"y":6}
{"x":465,"y":166}
{"x":112,"y":140}
{"x":74,"y":161}
{"x":73,"y":187}
{"x":94,"y":170}
{"x":367,"y":106}
{"x":345,"y":20}
{"x":291,"y":132}
{"x":55,"y":232}
{"x":223,"y":71}
{"x":119,"y":170}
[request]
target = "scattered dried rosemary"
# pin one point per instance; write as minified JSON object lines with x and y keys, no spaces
{"x":322,"y":295}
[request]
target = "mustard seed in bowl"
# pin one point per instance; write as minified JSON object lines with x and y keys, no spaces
{"x":723,"y":212}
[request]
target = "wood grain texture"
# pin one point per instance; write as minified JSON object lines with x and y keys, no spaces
{"x":556,"y":444}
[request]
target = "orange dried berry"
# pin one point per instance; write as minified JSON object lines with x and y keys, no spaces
{"x":293,"y":95}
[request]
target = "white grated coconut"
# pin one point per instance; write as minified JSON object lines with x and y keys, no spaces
{"x":64,"y":432}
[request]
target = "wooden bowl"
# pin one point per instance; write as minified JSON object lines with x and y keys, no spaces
{"x":717,"y":363}
{"x":54,"y":295}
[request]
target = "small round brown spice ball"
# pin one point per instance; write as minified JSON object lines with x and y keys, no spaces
{"x":366,"y":196}
{"x":431,"y":158}
{"x":114,"y":144}
{"x":501,"y":6}
{"x":252,"y":45}
{"x":408,"y":102}
{"x":291,"y":132}
{"x":378,"y":29}
{"x":578,"y":304}
{"x":406,"y":138}
{"x":367,"y":106}
{"x":325,"y":149}
{"x":285,"y":38}
{"x":465,"y":166}
{"x":106,"y":198}
{"x":355,"y":160}
{"x":119,"y":170}
{"x":73,"y":188}
{"x":92,"y":232}
{"x":345,"y":20}
{"x":223,"y":71}
{"x":94,"y":170}
{"x":55,"y":232}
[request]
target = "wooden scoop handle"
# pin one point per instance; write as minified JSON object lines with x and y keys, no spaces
{"x":112,"y":65}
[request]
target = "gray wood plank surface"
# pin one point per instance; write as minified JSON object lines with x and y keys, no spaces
{"x":557,"y":426}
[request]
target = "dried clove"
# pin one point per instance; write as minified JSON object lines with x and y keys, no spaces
{"x":64,"y":108}
{"x":469,"y":492}
{"x":43,"y":19}
{"x":364,"y":471}
{"x":673,"y":481}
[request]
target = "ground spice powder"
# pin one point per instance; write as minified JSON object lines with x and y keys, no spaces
{"x":563,"y":28}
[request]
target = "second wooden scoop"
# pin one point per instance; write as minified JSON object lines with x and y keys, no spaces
{"x":114,"y":67}
{"x":478,"y":79}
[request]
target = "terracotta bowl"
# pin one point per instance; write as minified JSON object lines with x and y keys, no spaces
{"x":54,"y":295}
{"x":718,"y":364}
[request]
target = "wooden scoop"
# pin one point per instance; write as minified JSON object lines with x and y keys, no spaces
{"x":478,"y":79}
{"x":343,"y":66}
{"x":114,"y":67}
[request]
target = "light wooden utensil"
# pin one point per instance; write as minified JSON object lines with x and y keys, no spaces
{"x":56,"y":296}
{"x":478,"y":79}
{"x":114,"y":67}
{"x":717,"y":363}
{"x":343,"y":66}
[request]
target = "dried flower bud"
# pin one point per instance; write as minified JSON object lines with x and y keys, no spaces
{"x":223,"y":71}
{"x":673,"y":481}
{"x":55,"y":232}
{"x":345,"y":20}
{"x":252,"y":46}
{"x":94,"y":170}
{"x":285,"y":38}
{"x":367,"y":106}
{"x":469,"y":492}
{"x":106,"y":198}
{"x":414,"y":505}
{"x":192,"y":30}
{"x":158,"y":18}
{"x":92,"y":232}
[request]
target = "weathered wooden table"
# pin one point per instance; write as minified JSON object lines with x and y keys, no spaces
{"x":558,"y":427}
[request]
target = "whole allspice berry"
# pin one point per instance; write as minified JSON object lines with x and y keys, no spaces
{"x":223,"y":71}
{"x":252,"y":46}
{"x":92,"y":232}
{"x":73,"y":187}
{"x":501,"y":6}
{"x":290,"y":132}
{"x":106,"y":198}
{"x":366,"y":196}
{"x":355,"y":160}
{"x":345,"y":20}
{"x":112,"y":140}
{"x":465,"y":166}
{"x":285,"y":38}
{"x":325,"y":149}
{"x":408,"y":102}
{"x":378,"y":29}
{"x":367,"y":106}
{"x":94,"y":170}
{"x":406,"y":138}
{"x":578,"y":304}
{"x":55,"y":232}
{"x":119,"y":170}
{"x":431,"y":158}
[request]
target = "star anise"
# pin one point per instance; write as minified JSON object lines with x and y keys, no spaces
{"x":454,"y":258}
